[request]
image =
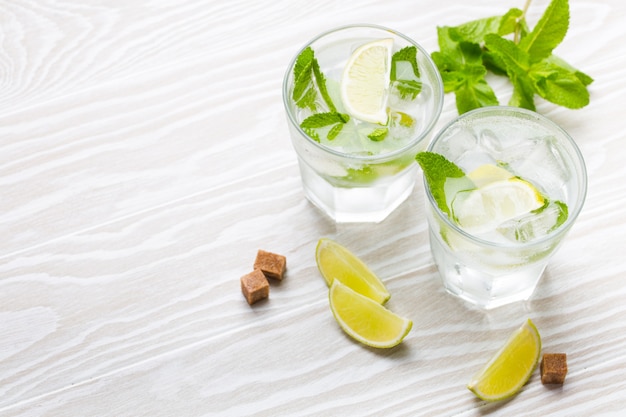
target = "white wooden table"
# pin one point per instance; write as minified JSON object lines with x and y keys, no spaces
{"x":144,"y":158}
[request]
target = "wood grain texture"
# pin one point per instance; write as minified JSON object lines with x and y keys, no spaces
{"x":144,"y":159}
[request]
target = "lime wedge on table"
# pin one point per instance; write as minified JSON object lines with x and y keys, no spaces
{"x":365,"y":320}
{"x":336,"y":262}
{"x":483,"y":209}
{"x":365,"y":81}
{"x":510,"y":368}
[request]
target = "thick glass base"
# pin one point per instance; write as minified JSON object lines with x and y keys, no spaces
{"x":371,"y":202}
{"x":481,"y":285}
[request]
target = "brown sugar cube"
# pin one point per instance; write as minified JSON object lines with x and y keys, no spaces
{"x":272,"y":265}
{"x":553,"y":368}
{"x":254,"y":286}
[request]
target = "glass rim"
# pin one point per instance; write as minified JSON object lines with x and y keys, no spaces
{"x":438,"y":97}
{"x":578,"y":157}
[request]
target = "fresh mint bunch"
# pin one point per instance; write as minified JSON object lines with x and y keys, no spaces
{"x":506,"y":46}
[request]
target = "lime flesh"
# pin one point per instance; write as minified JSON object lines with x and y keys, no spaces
{"x":365,"y":81}
{"x":365,"y":320}
{"x":335,"y":262}
{"x":510,"y":368}
{"x":483,"y":209}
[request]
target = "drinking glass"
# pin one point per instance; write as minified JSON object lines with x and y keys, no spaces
{"x":493,"y":270}
{"x":366,"y":183}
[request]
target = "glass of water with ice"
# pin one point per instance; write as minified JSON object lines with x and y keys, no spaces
{"x":360,"y":100}
{"x":515,"y":185}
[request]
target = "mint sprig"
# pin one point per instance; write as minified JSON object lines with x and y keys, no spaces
{"x":309,"y":82}
{"x":506,"y":46}
{"x":309,"y":87}
{"x":407,"y":83}
{"x":304,"y":92}
{"x":437,"y":169}
{"x":321,"y":120}
{"x":463,"y":72}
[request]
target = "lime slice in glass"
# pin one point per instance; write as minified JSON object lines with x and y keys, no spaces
{"x":483,"y":209}
{"x":365,"y":81}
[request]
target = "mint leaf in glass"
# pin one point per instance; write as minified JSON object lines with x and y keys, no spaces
{"x":321,"y":120}
{"x":378,"y":134}
{"x":406,"y":77}
{"x":437,"y":170}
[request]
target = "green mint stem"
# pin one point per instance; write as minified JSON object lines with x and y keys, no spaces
{"x":321,"y":85}
{"x":518,"y":26}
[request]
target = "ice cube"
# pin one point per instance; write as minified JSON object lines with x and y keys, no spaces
{"x":456,"y":142}
{"x":540,"y":161}
{"x":472,"y":148}
{"x":535,"y":224}
{"x":452,"y":187}
{"x":489,"y":141}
